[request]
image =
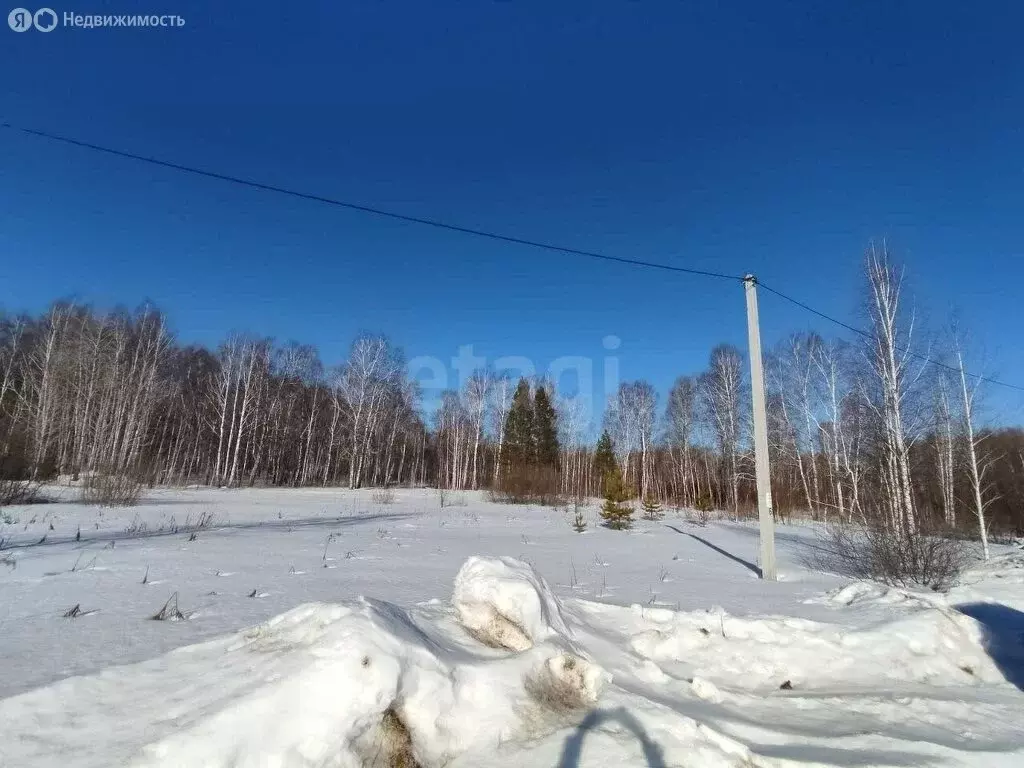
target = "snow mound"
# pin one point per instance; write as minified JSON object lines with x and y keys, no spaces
{"x":1007,"y":569}
{"x":869,"y":592}
{"x":931,"y":645}
{"x":567,"y":682}
{"x":505,"y":603}
{"x":366,"y":683}
{"x":999,"y":580}
{"x":354,"y":684}
{"x":324,"y":684}
{"x":704,"y":689}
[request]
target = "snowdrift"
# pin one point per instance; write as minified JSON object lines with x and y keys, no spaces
{"x":506,"y":604}
{"x":507,"y":674}
{"x":932,"y":645}
{"x":352,"y":684}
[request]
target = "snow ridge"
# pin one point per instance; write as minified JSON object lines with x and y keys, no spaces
{"x":509,"y":674}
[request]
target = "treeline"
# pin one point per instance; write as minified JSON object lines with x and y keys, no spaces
{"x":871,"y":431}
{"x":84,"y":392}
{"x":864,"y":431}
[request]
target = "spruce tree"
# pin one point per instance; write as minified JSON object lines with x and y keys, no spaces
{"x":615,"y":512}
{"x":519,"y":451}
{"x":604,"y":457}
{"x":545,"y":430}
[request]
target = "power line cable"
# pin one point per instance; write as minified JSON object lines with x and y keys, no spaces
{"x":865,"y":334}
{"x":812,"y":310}
{"x":369,"y":209}
{"x":471,"y":231}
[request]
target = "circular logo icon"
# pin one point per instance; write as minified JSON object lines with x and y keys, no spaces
{"x":20,"y":20}
{"x":45,"y":19}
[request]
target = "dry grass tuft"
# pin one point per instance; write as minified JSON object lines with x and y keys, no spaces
{"x":170,"y":611}
{"x":560,"y":685}
{"x":383,"y":497}
{"x":502,"y":633}
{"x":392,"y":744}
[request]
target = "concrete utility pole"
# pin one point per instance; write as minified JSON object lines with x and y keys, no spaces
{"x":764,"y":483}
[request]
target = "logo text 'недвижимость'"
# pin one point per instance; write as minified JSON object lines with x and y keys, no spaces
{"x":46,"y":20}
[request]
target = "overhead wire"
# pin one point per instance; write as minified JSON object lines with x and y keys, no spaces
{"x":436,"y":223}
{"x":444,"y":225}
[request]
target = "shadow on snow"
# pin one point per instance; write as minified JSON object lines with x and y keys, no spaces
{"x":574,"y":744}
{"x":124,"y":535}
{"x":1004,"y":637}
{"x":745,"y":563}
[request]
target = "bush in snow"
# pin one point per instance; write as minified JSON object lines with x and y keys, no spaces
{"x":18,"y":491}
{"x":112,"y":490}
{"x":450,"y":499}
{"x":528,"y":484}
{"x":384,"y":497}
{"x":893,"y":557}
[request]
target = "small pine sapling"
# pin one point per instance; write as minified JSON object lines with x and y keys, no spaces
{"x":652,"y":507}
{"x":616,"y":513}
{"x":579,"y":522}
{"x":703,"y":507}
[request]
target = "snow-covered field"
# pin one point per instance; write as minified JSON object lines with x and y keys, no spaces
{"x":488,"y":635}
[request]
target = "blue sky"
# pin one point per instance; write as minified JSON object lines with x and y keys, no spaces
{"x":777,"y":138}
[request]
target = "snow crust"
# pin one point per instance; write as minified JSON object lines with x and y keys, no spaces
{"x":517,"y":670}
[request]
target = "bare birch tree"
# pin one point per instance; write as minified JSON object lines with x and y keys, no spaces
{"x":680,"y":414}
{"x":978,"y":462}
{"x":476,"y":394}
{"x":501,"y":401}
{"x":373,"y":365}
{"x":944,"y":449}
{"x":722,"y":388}
{"x":889,"y":355}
